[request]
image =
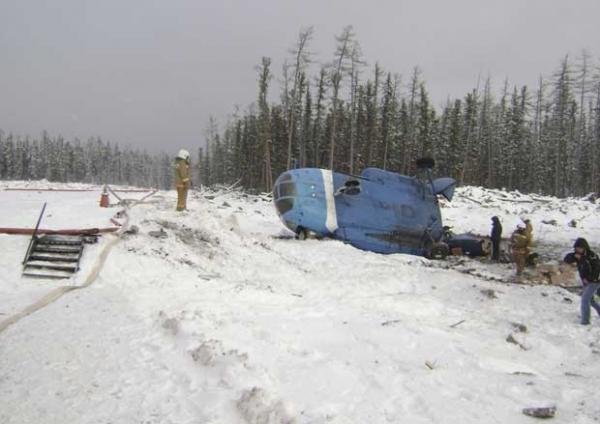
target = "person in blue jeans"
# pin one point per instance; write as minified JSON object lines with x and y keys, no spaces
{"x":588,"y":265}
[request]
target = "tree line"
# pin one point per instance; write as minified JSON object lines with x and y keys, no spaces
{"x":346,"y":115}
{"x":349,"y":116}
{"x":94,"y":161}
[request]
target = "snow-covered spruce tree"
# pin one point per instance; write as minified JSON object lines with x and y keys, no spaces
{"x":9,"y":158}
{"x":595,"y":142}
{"x":455,"y":139}
{"x":2,"y":158}
{"x":389,"y":121}
{"x":19,"y":163}
{"x":469,"y":143}
{"x":562,"y":103}
{"x":279,"y":141}
{"x":485,"y":136}
{"x":425,"y":122}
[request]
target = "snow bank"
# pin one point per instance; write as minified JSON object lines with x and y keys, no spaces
{"x":555,"y":221}
{"x":225,"y":319}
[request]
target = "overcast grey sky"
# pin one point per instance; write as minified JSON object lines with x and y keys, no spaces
{"x":150,"y":72}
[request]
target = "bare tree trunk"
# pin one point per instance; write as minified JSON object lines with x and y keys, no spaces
{"x":301,"y":61}
{"x":264,"y":123}
{"x":354,"y":71}
{"x":317,"y":129}
{"x":342,"y":53}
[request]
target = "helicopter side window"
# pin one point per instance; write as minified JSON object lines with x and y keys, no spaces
{"x":350,"y":188}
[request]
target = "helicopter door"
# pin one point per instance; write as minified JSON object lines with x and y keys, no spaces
{"x":358,"y":217}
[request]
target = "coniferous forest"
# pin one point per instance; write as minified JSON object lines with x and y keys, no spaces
{"x":348,"y":115}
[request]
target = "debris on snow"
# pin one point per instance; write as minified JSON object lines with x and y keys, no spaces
{"x":257,"y":408}
{"x":540,"y":412}
{"x":489,"y":293}
{"x":511,"y":339}
{"x":521,"y":328}
{"x":160,"y":234}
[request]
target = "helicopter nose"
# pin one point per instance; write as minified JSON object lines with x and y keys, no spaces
{"x":305,"y":198}
{"x":284,"y":193}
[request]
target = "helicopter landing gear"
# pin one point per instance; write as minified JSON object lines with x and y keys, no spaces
{"x":301,"y":233}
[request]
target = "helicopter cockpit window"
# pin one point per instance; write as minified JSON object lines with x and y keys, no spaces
{"x":350,"y":188}
{"x":287,"y":189}
{"x":284,"y":205}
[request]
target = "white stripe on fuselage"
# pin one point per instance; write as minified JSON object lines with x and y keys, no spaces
{"x":331,"y":220}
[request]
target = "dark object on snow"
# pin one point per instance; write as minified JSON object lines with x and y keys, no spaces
{"x":489,"y":293}
{"x":496,"y":236}
{"x":573,"y":223}
{"x":544,"y":412}
{"x":380,"y":211}
{"x":133,"y":230}
{"x":521,"y":328}
{"x":161,"y":234}
{"x":511,"y":339}
{"x":465,"y":243}
{"x":550,"y":222}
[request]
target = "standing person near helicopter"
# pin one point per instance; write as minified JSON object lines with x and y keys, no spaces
{"x":182,"y":178}
{"x":496,"y":237}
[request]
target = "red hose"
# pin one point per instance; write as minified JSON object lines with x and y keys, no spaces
{"x":78,"y":190}
{"x":67,"y":232}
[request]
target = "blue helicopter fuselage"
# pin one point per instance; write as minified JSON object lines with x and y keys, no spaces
{"x":380,"y":211}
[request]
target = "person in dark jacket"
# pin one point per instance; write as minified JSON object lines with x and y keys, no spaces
{"x":588,"y":265}
{"x":496,"y":236}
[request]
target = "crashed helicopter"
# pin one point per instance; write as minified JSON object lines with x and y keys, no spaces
{"x":379,"y":211}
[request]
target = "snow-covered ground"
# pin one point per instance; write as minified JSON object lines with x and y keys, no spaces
{"x":227,"y":319}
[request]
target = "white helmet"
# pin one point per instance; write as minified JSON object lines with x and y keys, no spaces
{"x":183,"y":154}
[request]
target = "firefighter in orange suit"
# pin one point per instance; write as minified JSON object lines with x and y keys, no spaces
{"x":182,"y":178}
{"x":519,"y":248}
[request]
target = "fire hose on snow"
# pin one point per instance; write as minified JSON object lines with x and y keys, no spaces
{"x":57,"y":293}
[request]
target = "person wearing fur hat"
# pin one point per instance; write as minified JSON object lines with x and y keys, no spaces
{"x":182,"y":178}
{"x":588,"y":265}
